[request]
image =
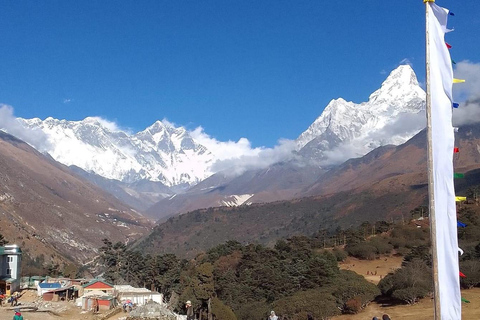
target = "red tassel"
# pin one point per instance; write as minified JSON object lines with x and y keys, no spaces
{"x":448,"y":46}
{"x":455,"y":150}
{"x":462,"y":275}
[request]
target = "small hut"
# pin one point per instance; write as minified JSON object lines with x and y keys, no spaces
{"x":98,"y":300}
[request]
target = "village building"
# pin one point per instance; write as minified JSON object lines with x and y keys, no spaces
{"x":98,"y":285}
{"x":45,"y":287}
{"x":138,"y":296}
{"x":10,"y":261}
{"x":96,"y":300}
{"x":31,"y":282}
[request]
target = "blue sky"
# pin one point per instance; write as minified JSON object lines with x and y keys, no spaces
{"x":262,"y":70}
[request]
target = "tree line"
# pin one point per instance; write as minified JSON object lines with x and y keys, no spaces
{"x":237,"y":281}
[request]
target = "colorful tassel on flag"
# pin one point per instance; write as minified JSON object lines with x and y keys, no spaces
{"x":458,"y":199}
{"x":451,"y":13}
{"x":453,"y":61}
{"x":448,"y":45}
{"x":462,"y":275}
{"x":460,"y":250}
{"x":455,"y":105}
{"x":461,"y":224}
{"x":455,"y":129}
{"x":465,"y":300}
{"x":458,"y":80}
{"x":459,"y":175}
{"x":456,"y":150}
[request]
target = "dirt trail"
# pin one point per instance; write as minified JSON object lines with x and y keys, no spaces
{"x":63,"y":310}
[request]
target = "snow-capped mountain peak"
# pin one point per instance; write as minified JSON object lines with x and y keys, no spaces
{"x":401,"y":85}
{"x":161,"y":152}
{"x":168,"y":154}
{"x":370,"y":124}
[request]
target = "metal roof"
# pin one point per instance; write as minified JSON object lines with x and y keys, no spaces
{"x":52,"y":285}
{"x":10,"y":249}
{"x":95,"y":281}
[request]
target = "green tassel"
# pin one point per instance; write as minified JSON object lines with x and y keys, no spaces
{"x":465,"y":300}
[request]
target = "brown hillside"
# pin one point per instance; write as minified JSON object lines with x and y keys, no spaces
{"x":46,"y":209}
{"x":385,"y":184}
{"x":404,"y":162}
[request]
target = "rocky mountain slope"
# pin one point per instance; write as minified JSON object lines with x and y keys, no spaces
{"x":393,"y":114}
{"x":46,"y":209}
{"x":161,"y":152}
{"x":169,"y":155}
{"x":385,"y":184}
{"x":344,"y":130}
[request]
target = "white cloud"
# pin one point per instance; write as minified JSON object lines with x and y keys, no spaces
{"x":65,"y":101}
{"x":110,"y":125}
{"x":397,"y":132}
{"x":237,"y":157}
{"x":471,"y":88}
{"x":467,"y":94}
{"x":224,"y":150}
{"x":406,"y":61}
{"x":467,"y":113}
{"x":345,"y":151}
{"x":265,"y":157}
{"x":10,"y":124}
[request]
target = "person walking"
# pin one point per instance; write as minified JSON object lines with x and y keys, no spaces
{"x":190,"y":314}
{"x":18,"y":315}
{"x":272,"y":316}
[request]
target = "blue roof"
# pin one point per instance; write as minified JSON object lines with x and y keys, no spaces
{"x":53,"y":285}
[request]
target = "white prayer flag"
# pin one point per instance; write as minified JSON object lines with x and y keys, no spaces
{"x":441,"y":79}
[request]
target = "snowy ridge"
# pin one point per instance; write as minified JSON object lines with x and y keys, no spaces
{"x":237,"y":200}
{"x":159,"y":153}
{"x":169,"y":154}
{"x":344,"y":121}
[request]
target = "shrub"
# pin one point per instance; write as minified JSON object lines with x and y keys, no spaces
{"x":409,"y":283}
{"x":350,"y":285}
{"x":221,"y":311}
{"x":353,"y":305}
{"x":253,"y":311}
{"x":320,"y":304}
{"x":339,"y":254}
{"x":381,"y":244}
{"x":410,"y":295}
{"x":471,"y":268}
{"x":362,"y":250}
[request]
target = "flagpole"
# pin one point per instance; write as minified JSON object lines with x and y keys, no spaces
{"x":431,"y":198}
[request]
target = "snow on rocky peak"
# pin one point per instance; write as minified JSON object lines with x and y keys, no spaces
{"x":237,"y":200}
{"x":165,"y":153}
{"x":161,"y":152}
{"x":392,"y":115}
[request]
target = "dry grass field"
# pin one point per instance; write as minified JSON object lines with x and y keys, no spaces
{"x":420,"y":311}
{"x":372,"y":270}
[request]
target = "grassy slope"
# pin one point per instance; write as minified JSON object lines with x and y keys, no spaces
{"x":420,"y":311}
